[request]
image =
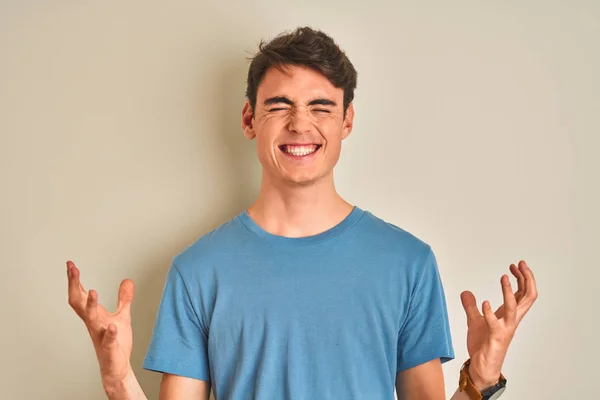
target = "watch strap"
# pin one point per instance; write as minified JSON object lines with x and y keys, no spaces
{"x":465,"y":384}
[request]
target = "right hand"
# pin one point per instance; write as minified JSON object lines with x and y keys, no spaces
{"x":111,"y":333}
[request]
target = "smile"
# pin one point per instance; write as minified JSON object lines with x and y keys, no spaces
{"x":299,"y":150}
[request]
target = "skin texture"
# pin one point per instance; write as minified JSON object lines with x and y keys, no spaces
{"x":297,"y":198}
{"x":174,"y":387}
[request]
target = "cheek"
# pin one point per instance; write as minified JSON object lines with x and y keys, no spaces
{"x":334,"y":144}
{"x":334,"y":149}
{"x":265,"y":148}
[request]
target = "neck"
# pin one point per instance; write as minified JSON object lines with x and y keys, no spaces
{"x":293,"y":210}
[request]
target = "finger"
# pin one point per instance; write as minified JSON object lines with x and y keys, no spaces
{"x":470,"y":305}
{"x":500,"y":312}
{"x":530,"y":294}
{"x":530,"y":285}
{"x":76,"y":273}
{"x":520,"y":281}
{"x":510,"y":302}
{"x":91,"y":309}
{"x":126,"y":291}
{"x":76,"y":295}
{"x":490,"y":318}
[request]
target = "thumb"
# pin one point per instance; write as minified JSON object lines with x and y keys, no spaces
{"x":470,"y":305}
{"x":126,"y":291}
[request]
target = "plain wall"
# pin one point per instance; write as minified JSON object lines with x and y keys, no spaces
{"x":476,"y":129}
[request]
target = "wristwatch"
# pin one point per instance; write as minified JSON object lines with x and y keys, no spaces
{"x":465,"y":384}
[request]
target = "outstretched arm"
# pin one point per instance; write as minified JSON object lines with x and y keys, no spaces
{"x":112,"y":338}
{"x":488,"y":338}
{"x":489,"y":335}
{"x":111,"y":335}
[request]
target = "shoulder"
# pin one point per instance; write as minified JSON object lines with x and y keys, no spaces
{"x":385,"y":235}
{"x":211,"y":247}
{"x":406,"y":256}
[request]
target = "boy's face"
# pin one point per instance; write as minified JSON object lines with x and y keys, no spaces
{"x":298,"y":124}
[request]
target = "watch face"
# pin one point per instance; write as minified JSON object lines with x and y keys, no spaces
{"x":496,"y":395}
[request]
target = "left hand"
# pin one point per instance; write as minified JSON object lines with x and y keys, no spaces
{"x":490,"y":334}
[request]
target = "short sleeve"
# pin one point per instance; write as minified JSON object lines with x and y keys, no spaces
{"x":425,"y":334}
{"x":179,"y":341}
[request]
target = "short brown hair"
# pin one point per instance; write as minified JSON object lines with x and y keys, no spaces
{"x":306,"y":47}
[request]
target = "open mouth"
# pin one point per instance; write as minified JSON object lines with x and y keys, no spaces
{"x":300,"y":150}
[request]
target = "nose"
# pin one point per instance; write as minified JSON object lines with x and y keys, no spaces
{"x":300,"y":121}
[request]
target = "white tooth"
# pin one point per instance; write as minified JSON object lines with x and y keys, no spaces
{"x":300,"y":150}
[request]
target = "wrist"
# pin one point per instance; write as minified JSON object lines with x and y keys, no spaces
{"x":475,"y":387}
{"x":121,"y":388}
{"x":481,"y":382}
{"x":482,"y":385}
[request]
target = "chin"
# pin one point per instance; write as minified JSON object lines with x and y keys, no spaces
{"x":303,"y":179}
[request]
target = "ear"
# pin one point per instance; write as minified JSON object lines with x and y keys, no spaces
{"x":248,"y":121}
{"x":348,"y":121}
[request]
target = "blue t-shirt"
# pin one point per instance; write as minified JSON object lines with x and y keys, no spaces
{"x":330,"y":316}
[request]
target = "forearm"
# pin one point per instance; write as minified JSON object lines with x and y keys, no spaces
{"x":127,"y":389}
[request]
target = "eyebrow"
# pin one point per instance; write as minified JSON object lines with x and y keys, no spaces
{"x":285,"y":100}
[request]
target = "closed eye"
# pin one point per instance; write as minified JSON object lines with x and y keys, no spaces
{"x":282,"y":108}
